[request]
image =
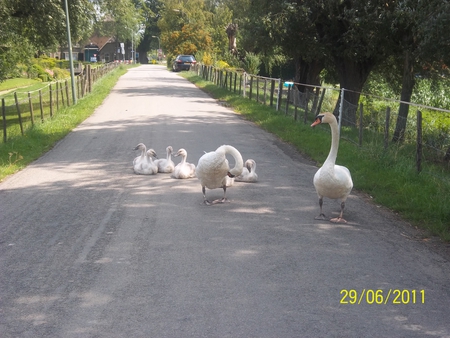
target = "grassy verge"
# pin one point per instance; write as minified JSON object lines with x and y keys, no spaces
{"x":18,"y":152}
{"x":17,"y":83}
{"x":422,"y":199}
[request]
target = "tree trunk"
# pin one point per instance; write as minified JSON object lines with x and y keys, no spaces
{"x":352,"y":77}
{"x":307,"y":72}
{"x":408,"y":83}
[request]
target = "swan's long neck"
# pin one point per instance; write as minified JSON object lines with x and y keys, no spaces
{"x":183,"y":159}
{"x":239,"y":163}
{"x":144,"y":152}
{"x":331,"y":159}
{"x":169,"y":153}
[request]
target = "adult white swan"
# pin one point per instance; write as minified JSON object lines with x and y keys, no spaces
{"x":248,"y":172}
{"x":331,"y":180}
{"x":183,"y":169}
{"x":166,"y":165}
{"x":213,"y":168}
{"x":144,"y":164}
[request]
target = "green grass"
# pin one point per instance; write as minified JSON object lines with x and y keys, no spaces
{"x":17,"y":83}
{"x":19,"y":151}
{"x":389,"y":177}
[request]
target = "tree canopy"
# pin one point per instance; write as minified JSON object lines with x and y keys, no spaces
{"x":345,"y":39}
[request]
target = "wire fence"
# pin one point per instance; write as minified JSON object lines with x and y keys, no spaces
{"x":22,"y":110}
{"x":372,"y":124}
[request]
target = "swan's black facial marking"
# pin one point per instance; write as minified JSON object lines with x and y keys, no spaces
{"x":317,"y":120}
{"x":230,"y":175}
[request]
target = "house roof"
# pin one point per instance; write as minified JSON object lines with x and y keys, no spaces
{"x":101,"y":41}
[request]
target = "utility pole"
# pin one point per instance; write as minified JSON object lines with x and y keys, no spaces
{"x":69,"y":39}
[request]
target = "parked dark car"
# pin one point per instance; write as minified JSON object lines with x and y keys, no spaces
{"x":183,"y":62}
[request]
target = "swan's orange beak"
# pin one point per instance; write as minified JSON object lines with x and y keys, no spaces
{"x":316,"y":122}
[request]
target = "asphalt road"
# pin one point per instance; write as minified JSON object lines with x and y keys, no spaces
{"x":89,"y":249}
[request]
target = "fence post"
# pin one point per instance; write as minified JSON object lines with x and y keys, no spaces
{"x":240,"y":83}
{"x":257,"y":88}
{"x":280,"y":90}
{"x":251,"y":88}
{"x":419,"y":141}
{"x":287,"y":100}
{"x":18,"y":112}
{"x":244,"y":84}
{"x":89,"y":78}
{"x":386,"y":128}
{"x":4,"y":120}
{"x":41,"y":106}
{"x":62,"y":93}
{"x":361,"y":124}
{"x":67,"y":93}
{"x":57,"y":97}
{"x":265,"y":91}
{"x":51,"y":100}
{"x":305,"y":116}
{"x":295,"y":95}
{"x":31,"y":108}
{"x":235,"y":80}
{"x":272,"y":91}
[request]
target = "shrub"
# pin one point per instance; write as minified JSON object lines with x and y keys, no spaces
{"x":60,"y":74}
{"x":35,"y":70}
{"x":251,"y":63}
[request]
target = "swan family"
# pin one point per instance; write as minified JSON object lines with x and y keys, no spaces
{"x":213,"y":169}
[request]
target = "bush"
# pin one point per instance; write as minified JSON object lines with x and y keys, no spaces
{"x":60,"y":74}
{"x":35,"y":70}
{"x":251,"y":63}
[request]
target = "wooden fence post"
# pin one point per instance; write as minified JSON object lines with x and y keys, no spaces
{"x":280,"y":92}
{"x":272,"y":92}
{"x":57,"y":97}
{"x":31,"y":108}
{"x":265,"y":91}
{"x":419,"y":142}
{"x":89,"y":78}
{"x":62,"y":93}
{"x":361,"y":124}
{"x":295,"y":93}
{"x":386,"y":128}
{"x":257,"y":89}
{"x":287,"y":100}
{"x":18,"y":112}
{"x":67,"y":93}
{"x":4,"y":120}
{"x":251,"y":88}
{"x":51,"y":100}
{"x":41,"y":106}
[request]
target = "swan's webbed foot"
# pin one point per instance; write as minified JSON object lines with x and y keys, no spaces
{"x":338,"y":220}
{"x":221,"y":200}
{"x":322,"y":217}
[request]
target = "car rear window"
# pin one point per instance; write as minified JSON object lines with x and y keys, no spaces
{"x":187,"y":58}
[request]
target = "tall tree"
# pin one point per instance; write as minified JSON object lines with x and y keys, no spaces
{"x":355,"y":36}
{"x":32,"y":26}
{"x":421,"y":33}
{"x":184,"y":27}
